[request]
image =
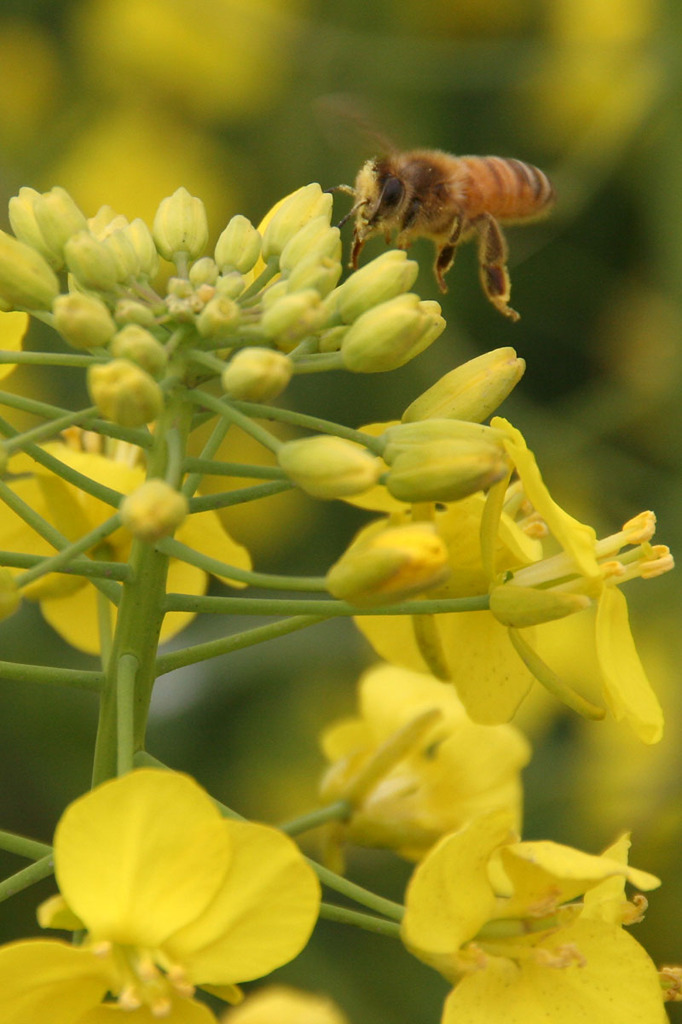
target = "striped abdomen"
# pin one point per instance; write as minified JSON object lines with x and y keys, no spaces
{"x":506,"y":188}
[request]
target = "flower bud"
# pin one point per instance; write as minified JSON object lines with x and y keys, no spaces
{"x":390,"y":565}
{"x":91,"y":262}
{"x":321,"y":274}
{"x":238,"y":247}
{"x":529,"y":606}
{"x":121,"y":248}
{"x":292,"y":317}
{"x":332,"y":339}
{"x":106,"y":219}
{"x":402,"y":436}
{"x":385,"y":277}
{"x":180,"y":226}
{"x":83,"y":320}
{"x":389,"y":335}
{"x":314,"y":238}
{"x":154,"y":510}
{"x":129,"y":311}
{"x":10,"y":598}
{"x":445,"y":470}
{"x":124,"y":393}
{"x":26,"y":279}
{"x":22,"y":217}
{"x":471,"y":391}
{"x":290,"y":216}
{"x":329,"y":467}
{"x":218,"y":318}
{"x":256,"y":374}
{"x":230,"y":285}
{"x":58,"y":218}
{"x":204,"y":271}
{"x":142,"y":242}
{"x":140,"y":346}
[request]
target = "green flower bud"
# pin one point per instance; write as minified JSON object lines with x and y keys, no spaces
{"x":219,"y":317}
{"x":314,"y":238}
{"x":295,"y":211}
{"x":385,"y":277}
{"x":471,"y":391}
{"x":129,"y":311}
{"x":390,"y":565}
{"x":273,"y":293}
{"x":403,"y":436}
{"x":91,"y":262}
{"x":10,"y":598}
{"x":180,"y":226}
{"x":22,"y":217}
{"x":389,"y":335}
{"x":312,"y":272}
{"x":83,"y":320}
{"x":204,"y":271}
{"x":26,"y":279}
{"x":529,"y":606}
{"x":121,"y":248}
{"x":139,"y":346}
{"x":445,"y":470}
{"x":106,"y":218}
{"x":293,"y":317}
{"x":58,"y":218}
{"x":238,"y":247}
{"x":230,"y":285}
{"x":154,"y":510}
{"x":329,"y":467}
{"x":331,"y":340}
{"x":124,"y":393}
{"x":142,"y":242}
{"x":256,"y":374}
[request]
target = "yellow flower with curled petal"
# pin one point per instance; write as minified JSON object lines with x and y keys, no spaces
{"x":68,"y":602}
{"x":492,"y":660}
{"x":413,"y":765}
{"x":171,"y":896}
{"x":500,"y":919}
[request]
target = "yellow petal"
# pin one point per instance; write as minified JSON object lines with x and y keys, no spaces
{"x":183,"y":1011}
{"x":285,"y":1006}
{"x":576,"y":538}
{"x":616,"y":984}
{"x":626,"y":687}
{"x":262,"y":916}
{"x":140,"y":856}
{"x":74,"y":617}
{"x":46,"y":980}
{"x":13,"y":327}
{"x":449,"y":897}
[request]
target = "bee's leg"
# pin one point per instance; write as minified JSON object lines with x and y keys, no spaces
{"x":358,"y":245}
{"x":492,"y":259}
{"x":445,"y":255}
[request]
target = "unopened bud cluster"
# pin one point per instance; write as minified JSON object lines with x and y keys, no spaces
{"x":260,"y":301}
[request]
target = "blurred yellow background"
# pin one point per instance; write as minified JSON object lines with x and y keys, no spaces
{"x":122,"y":101}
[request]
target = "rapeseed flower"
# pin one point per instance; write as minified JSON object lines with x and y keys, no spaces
{"x":500,"y":919}
{"x":170,"y":896}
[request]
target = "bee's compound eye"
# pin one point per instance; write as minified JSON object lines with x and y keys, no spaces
{"x":391,"y":194}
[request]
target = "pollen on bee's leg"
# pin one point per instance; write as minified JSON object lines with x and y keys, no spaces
{"x":445,"y":257}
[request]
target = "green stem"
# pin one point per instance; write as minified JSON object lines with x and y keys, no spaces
{"x":206,"y":466}
{"x":321,"y":362}
{"x":241,"y":495}
{"x":77,"y":566}
{"x":23,"y":847}
{"x":551,"y":681}
{"x":395,"y":911}
{"x":367,"y":922}
{"x":237,"y":642}
{"x":140,"y":437}
{"x":299,"y":419}
{"x":340,"y":810}
{"x":125,"y":707}
{"x":325,"y":609}
{"x":65,"y":556}
{"x":46,"y":430}
{"x":78,"y":679}
{"x":232,"y":414}
{"x":198,"y":467}
{"x":266,"y":275}
{"x":49,"y":358}
{"x":27,"y":877}
{"x":176,"y":549}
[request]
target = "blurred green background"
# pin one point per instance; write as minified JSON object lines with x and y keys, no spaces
{"x":122,"y":101}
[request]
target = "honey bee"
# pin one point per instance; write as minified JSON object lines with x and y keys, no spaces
{"x":426,"y":193}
